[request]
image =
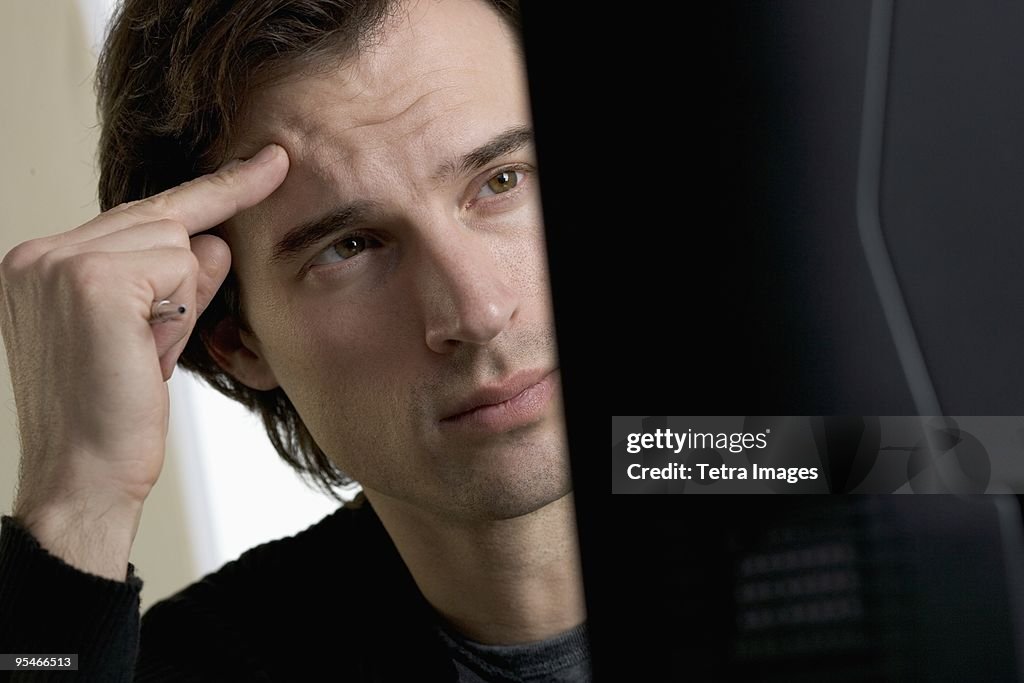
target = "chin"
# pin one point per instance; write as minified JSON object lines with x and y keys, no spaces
{"x":516,"y":487}
{"x":510,"y":478}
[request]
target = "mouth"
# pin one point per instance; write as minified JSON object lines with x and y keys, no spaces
{"x":519,"y":400}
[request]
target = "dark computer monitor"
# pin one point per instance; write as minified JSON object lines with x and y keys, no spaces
{"x":798,"y":126}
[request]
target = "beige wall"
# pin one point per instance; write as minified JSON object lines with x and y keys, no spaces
{"x":48,"y":184}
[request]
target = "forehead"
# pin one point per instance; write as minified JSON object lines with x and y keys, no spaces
{"x":442,"y":78}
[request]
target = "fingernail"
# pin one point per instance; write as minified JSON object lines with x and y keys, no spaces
{"x":264,"y":155}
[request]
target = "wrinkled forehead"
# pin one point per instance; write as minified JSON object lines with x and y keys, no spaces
{"x":431,"y":58}
{"x":442,"y":77}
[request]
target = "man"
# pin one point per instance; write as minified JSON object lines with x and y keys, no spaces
{"x":387,"y":312}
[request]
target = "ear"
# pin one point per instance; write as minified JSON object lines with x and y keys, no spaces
{"x":238,"y":353}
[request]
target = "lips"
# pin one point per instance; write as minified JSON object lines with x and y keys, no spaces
{"x":518,"y":399}
{"x":499,"y":393}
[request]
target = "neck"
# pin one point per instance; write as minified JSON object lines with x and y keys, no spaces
{"x":497,"y":581}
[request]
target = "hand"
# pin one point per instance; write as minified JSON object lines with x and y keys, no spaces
{"x":87,"y":367}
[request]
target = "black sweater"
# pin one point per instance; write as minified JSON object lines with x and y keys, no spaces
{"x":332,"y":602}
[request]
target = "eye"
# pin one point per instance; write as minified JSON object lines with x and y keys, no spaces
{"x":344,"y":249}
{"x":502,"y":181}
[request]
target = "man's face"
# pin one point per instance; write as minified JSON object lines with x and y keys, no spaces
{"x":384,"y":323}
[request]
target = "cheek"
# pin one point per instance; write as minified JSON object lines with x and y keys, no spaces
{"x":344,"y":369}
{"x":524,"y":254}
{"x":329,"y":350}
{"x":337,"y":343}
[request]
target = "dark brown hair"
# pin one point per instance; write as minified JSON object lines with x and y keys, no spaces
{"x":172,"y":82}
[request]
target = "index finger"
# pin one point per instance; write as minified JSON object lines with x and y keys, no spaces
{"x":206,"y":201}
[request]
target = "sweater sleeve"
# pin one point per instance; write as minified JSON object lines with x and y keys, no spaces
{"x":49,"y":607}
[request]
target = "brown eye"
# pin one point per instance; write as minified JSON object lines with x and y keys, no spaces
{"x":353,"y":245}
{"x":350,"y":246}
{"x":502,"y":182}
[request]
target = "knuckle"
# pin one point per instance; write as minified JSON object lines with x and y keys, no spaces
{"x":176,"y":232}
{"x":158,"y":204}
{"x":85,"y":269}
{"x":122,"y":207}
{"x":21,"y":257}
{"x":224,"y":178}
{"x":127,"y":205}
{"x":49,"y":261}
{"x":188,"y":183}
{"x":85,"y":277}
{"x":182,"y":261}
{"x":191,"y":262}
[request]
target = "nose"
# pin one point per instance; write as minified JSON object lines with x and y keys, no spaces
{"x":466,"y":298}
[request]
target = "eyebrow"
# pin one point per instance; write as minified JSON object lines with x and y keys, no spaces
{"x":307,"y":234}
{"x":508,"y":141}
